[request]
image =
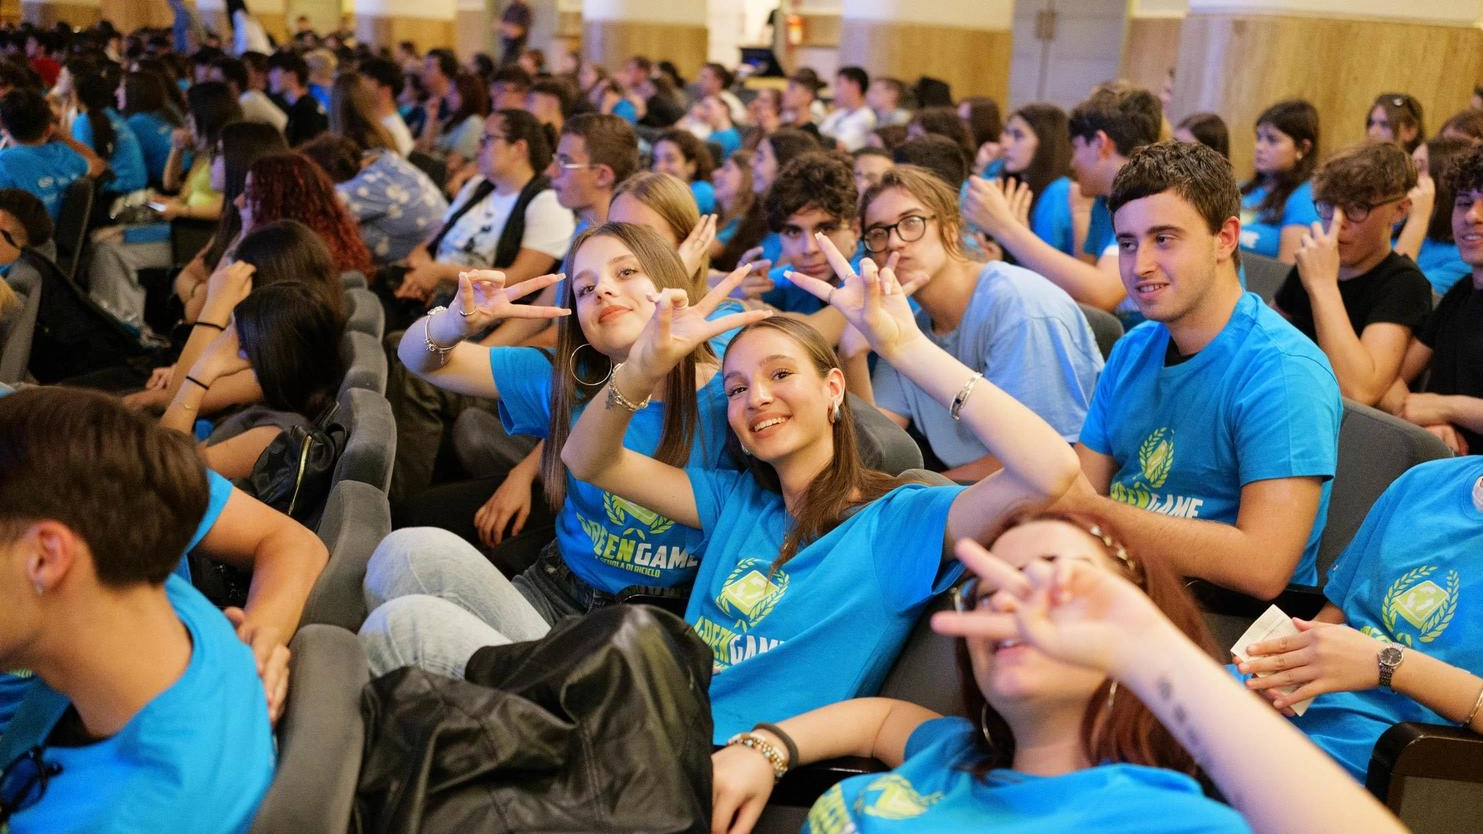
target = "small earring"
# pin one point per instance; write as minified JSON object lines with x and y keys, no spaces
{"x":1111,"y":695}
{"x":983,"y":723}
{"x":40,"y":588}
{"x":834,"y":413}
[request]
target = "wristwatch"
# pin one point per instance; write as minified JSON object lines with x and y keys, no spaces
{"x":1390,"y":659}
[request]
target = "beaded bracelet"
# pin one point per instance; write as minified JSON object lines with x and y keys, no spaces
{"x":427,"y":336}
{"x":784,"y":738}
{"x":962,"y":397}
{"x":616,"y":398}
{"x":758,"y":743}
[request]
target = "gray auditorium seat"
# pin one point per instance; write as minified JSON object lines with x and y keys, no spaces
{"x":365,"y":362}
{"x":356,"y":518}
{"x":371,"y":447}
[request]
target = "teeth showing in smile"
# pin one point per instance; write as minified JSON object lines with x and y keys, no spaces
{"x":768,"y":423}
{"x":1145,"y":289}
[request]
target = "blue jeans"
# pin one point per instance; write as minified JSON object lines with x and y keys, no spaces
{"x":435,"y":600}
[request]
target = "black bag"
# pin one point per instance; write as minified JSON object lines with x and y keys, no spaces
{"x":294,"y":474}
{"x":74,"y":336}
{"x":602,"y":725}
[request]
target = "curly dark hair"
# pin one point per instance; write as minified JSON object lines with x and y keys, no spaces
{"x":1465,"y":174}
{"x":819,"y":180}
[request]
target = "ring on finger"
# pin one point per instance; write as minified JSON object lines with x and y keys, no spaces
{"x":467,"y":314}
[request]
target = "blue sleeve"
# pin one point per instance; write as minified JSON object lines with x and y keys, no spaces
{"x":910,"y":534}
{"x":1299,"y":209}
{"x":1051,"y":220}
{"x":712,"y":489}
{"x":705,"y":196}
{"x":1363,"y":547}
{"x":936,"y":731}
{"x":82,"y":129}
{"x":626,"y":111}
{"x":523,"y":377}
{"x":220,"y":489}
{"x":1286,"y":420}
{"x":1100,"y":232}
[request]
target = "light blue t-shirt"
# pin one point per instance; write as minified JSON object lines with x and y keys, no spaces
{"x":729,"y":140}
{"x":395,"y":205}
{"x":705,"y":196}
{"x":153,"y":134}
{"x":198,"y":757}
{"x":1100,"y":233}
{"x":44,"y":170}
{"x":127,"y":161}
{"x":15,"y":683}
{"x":1409,"y":576}
{"x":1266,"y":238}
{"x":772,"y":246}
{"x":1027,"y":336}
{"x":609,"y":542}
{"x":726,"y":231}
{"x":1259,"y":402}
{"x":934,"y":790}
{"x":1050,"y":219}
{"x":1441,"y":264}
{"x":827,"y":625}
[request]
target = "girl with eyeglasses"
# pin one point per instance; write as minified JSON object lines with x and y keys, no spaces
{"x":1277,"y":202}
{"x":1396,"y":117}
{"x":1092,"y":704}
{"x":1025,"y":335}
{"x":816,"y":567}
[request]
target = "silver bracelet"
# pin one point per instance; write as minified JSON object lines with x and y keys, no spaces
{"x":616,"y":398}
{"x":957,"y":406}
{"x":427,"y":337}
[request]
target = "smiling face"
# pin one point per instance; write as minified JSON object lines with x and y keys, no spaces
{"x":801,"y":248}
{"x":1167,"y":257}
{"x":1014,"y":677}
{"x":1467,"y":226}
{"x":669,"y":159}
{"x":777,"y":400}
{"x":611,"y":292}
{"x":1019,"y":144}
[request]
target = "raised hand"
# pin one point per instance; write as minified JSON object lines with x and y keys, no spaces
{"x":1020,"y":198}
{"x":697,"y":245}
{"x":221,"y":358}
{"x":1068,"y":608}
{"x":1318,"y":256}
{"x":225,"y":289}
{"x":871,"y":300}
{"x":1323,"y":657}
{"x":677,"y":328}
{"x":483,"y":299}
{"x":987,"y":206}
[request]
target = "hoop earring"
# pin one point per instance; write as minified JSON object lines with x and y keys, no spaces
{"x":983,"y":724}
{"x":834,"y":413}
{"x":573,"y":368}
{"x":1111,"y":695}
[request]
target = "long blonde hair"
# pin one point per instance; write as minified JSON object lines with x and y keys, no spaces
{"x":576,"y":360}
{"x":672,"y":200}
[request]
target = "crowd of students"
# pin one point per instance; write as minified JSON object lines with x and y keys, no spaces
{"x":679,"y":378}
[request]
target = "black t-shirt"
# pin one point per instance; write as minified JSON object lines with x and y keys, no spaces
{"x":1454,"y":332}
{"x":306,"y":120}
{"x":1394,"y":292}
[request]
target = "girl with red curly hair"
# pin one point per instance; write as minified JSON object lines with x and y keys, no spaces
{"x":288,"y":186}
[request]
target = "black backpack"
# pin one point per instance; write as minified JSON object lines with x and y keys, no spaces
{"x":74,"y":336}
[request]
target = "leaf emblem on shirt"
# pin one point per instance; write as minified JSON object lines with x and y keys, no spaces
{"x":625,"y":513}
{"x":750,"y":592}
{"x":1156,"y":456}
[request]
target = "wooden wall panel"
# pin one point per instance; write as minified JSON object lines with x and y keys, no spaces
{"x":49,"y":14}
{"x":389,"y":31}
{"x":973,"y":61}
{"x":611,"y":42}
{"x":1150,"y":49}
{"x":472,"y":34}
{"x":1237,"y":65}
{"x":128,"y":15}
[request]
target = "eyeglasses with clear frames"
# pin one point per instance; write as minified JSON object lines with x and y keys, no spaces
{"x":909,"y":228}
{"x":566,"y":164}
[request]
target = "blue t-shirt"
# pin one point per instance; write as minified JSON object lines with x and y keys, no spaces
{"x":1027,"y":336}
{"x":44,"y":170}
{"x":934,"y":790}
{"x":1100,"y":234}
{"x":705,"y":196}
{"x":1266,"y":238}
{"x":1259,"y":402}
{"x":153,"y":133}
{"x":1050,"y":219}
{"x":127,"y":161}
{"x":198,"y":757}
{"x":827,"y":625}
{"x":1441,"y":264}
{"x":625,"y":110}
{"x":1409,"y":576}
{"x":609,"y":542}
{"x":729,"y":140}
{"x":772,"y":246}
{"x":726,"y":231}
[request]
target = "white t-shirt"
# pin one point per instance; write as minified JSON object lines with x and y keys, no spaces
{"x":473,"y":239}
{"x":399,"y":132}
{"x":851,"y":128}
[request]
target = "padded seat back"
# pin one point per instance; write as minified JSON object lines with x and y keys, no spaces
{"x":364,"y":312}
{"x":365,"y":362}
{"x":1264,"y":276}
{"x":926,"y":671}
{"x":19,"y":327}
{"x":71,"y":232}
{"x":371,"y":447}
{"x":1105,"y":327}
{"x":353,"y":279}
{"x":356,"y":518}
{"x":883,"y":445}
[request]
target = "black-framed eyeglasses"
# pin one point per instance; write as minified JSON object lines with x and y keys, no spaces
{"x":909,"y":228}
{"x":9,"y":239}
{"x":23,"y":782}
{"x":971,"y":594}
{"x":486,"y":139}
{"x":1355,"y":212}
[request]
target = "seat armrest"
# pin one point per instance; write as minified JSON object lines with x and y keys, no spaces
{"x":1431,"y":751}
{"x":802,"y":786}
{"x":1295,"y":601}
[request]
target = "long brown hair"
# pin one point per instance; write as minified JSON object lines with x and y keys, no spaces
{"x":576,"y":360}
{"x":1122,"y":730}
{"x":670,"y":198}
{"x":846,"y":482}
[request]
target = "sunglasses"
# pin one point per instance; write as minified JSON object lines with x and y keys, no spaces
{"x":23,"y":783}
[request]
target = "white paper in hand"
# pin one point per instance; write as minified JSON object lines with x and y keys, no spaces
{"x":1272,"y":624}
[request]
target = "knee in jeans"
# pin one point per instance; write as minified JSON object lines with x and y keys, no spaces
{"x":390,"y":572}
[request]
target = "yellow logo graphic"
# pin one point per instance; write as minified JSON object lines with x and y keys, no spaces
{"x":635,"y":520}
{"x":893,"y":798}
{"x":1418,"y":600}
{"x":750,"y":594}
{"x":1155,"y":459}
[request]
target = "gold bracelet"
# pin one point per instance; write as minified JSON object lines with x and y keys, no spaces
{"x":615,"y":397}
{"x":760,"y":744}
{"x":1477,"y":705}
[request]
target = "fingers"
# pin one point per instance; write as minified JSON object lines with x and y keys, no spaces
{"x":813,"y":286}
{"x":990,"y":568}
{"x":275,"y":682}
{"x":837,"y":261}
{"x":989,"y":625}
{"x":525,"y":288}
{"x":724,"y":287}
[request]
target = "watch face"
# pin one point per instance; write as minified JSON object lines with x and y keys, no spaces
{"x":1390,"y":656}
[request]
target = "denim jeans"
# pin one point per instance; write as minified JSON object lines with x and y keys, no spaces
{"x":435,"y":600}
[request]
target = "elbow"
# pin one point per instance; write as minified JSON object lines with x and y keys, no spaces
{"x":581,"y":466}
{"x":1266,"y":588}
{"x":1362,"y":392}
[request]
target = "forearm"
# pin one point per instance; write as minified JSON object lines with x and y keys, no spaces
{"x":180,"y":415}
{"x":465,"y":369}
{"x":285,"y":566}
{"x":96,"y":164}
{"x":974,"y":470}
{"x":174,"y":174}
{"x":1268,"y":770}
{"x":1360,"y":377}
{"x":1464,"y":411}
{"x":595,"y":450}
{"x":875,"y":728}
{"x":1441,"y":687}
{"x":195,"y":345}
{"x":1408,"y":242}
{"x":1082,"y":281}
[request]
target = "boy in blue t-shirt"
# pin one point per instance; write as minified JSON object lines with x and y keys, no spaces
{"x":148,"y":712}
{"x":38,"y":161}
{"x":1213,"y":433}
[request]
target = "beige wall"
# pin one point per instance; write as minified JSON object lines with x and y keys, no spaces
{"x":973,"y":61}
